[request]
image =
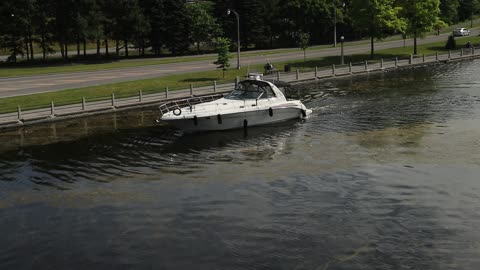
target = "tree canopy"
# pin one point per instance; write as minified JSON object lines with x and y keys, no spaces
{"x":421,"y":16}
{"x":378,"y":18}
{"x":158,"y":27}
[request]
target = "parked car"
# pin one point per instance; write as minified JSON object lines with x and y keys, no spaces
{"x":461,"y":32}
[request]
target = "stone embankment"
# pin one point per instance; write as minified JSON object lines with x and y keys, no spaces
{"x":112,"y":104}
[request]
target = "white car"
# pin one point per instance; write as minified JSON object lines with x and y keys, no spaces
{"x":461,"y":32}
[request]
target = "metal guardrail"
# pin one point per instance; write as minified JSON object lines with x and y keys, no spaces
{"x":112,"y":103}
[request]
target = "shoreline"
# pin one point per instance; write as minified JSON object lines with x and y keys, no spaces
{"x":19,"y":119}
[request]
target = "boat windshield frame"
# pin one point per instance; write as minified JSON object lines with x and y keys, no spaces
{"x":251,"y":90}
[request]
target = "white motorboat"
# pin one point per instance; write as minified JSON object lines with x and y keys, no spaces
{"x":254,"y":102}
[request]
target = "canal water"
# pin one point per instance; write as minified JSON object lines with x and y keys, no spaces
{"x":384,"y":175}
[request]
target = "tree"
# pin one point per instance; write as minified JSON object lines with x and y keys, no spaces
{"x":16,"y":31}
{"x":154,"y":11}
{"x":379,"y":18}
{"x":222,"y":46}
{"x":303,"y":41}
{"x":315,"y":17}
{"x":451,"y":43}
{"x":467,"y":8}
{"x":421,"y":17}
{"x":449,"y":11}
{"x":44,"y":23}
{"x":177,"y":28}
{"x":203,"y":25}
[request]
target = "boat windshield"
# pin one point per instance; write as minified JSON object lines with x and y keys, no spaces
{"x":251,"y":90}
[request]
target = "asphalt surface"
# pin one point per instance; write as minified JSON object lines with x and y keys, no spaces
{"x":25,"y":85}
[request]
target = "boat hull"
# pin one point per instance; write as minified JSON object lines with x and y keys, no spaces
{"x":237,"y":120}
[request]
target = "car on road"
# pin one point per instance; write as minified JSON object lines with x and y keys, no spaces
{"x":459,"y":32}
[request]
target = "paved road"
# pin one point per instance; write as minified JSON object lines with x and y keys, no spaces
{"x":54,"y":82}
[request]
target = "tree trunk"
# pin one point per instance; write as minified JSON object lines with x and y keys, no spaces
{"x":106,"y":47}
{"x":143,"y":47}
{"x":14,"y":52}
{"x":415,"y":42}
{"x":66,"y":50}
{"x":30,"y":41}
{"x":372,"y":46}
{"x":62,"y":49}
{"x":125,"y":42}
{"x":98,"y":47}
{"x":26,"y":48}
{"x":117,"y":47}
{"x":78,"y":47}
{"x":84,"y":48}
{"x":44,"y":49}
{"x":198,"y":47}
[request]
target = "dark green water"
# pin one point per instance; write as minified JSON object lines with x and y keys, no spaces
{"x":384,"y":175}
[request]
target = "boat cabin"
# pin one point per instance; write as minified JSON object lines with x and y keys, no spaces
{"x":253,"y":89}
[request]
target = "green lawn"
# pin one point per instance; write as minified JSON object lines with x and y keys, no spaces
{"x":182,"y":81}
{"x":123,"y":89}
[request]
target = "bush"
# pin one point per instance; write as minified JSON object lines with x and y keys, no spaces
{"x":451,"y":43}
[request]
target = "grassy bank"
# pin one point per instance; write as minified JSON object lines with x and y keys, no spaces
{"x":123,"y":89}
{"x":174,"y":82}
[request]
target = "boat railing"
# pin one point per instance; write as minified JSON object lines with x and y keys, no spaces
{"x":187,"y":102}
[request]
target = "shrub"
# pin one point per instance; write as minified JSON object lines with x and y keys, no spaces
{"x":451,"y":43}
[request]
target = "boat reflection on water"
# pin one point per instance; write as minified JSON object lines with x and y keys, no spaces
{"x":268,"y":135}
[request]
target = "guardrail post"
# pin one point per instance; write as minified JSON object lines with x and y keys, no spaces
{"x":191,"y":89}
{"x":449,"y":54}
{"x":84,"y":104}
{"x":473,"y":50}
{"x":19,"y":112}
{"x":236,"y":81}
{"x":366,"y":64}
{"x":52,"y":109}
{"x":278,"y":75}
{"x":113,"y":100}
{"x":140,"y":95}
{"x":298,"y":74}
{"x":166,"y":92}
{"x":316,"y":72}
{"x":461,"y":52}
{"x":410,"y":60}
{"x":381,"y":62}
{"x":350,"y":67}
{"x":396,"y":61}
{"x":333,"y":69}
{"x":423,"y":58}
{"x":214,"y":86}
{"x":436,"y":56}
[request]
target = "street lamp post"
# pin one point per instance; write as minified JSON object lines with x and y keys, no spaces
{"x":229,"y":11}
{"x":341,"y":40}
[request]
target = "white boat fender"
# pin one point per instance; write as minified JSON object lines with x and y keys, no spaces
{"x":195,"y":120}
{"x":304,"y":113}
{"x":177,"y":111}
{"x":270,"y":111}
{"x":219,"y":119}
